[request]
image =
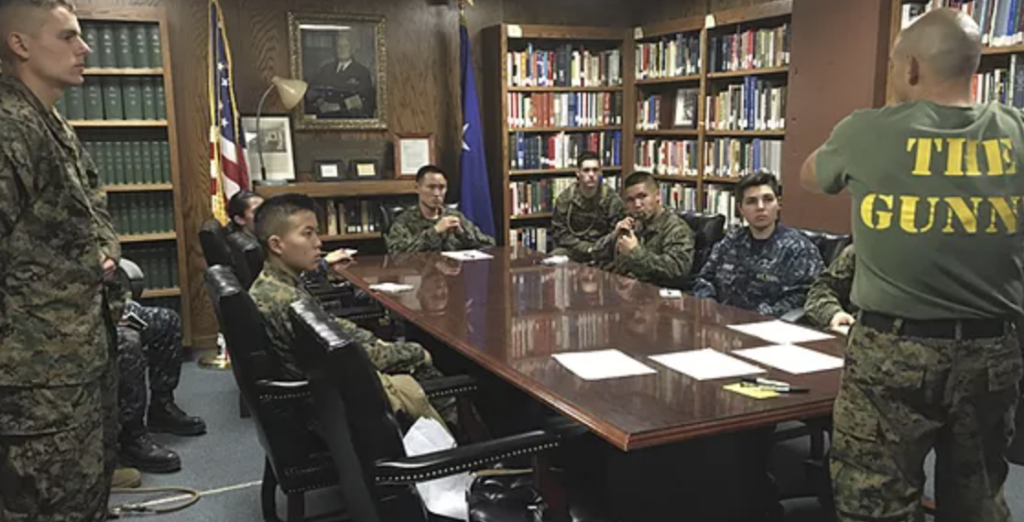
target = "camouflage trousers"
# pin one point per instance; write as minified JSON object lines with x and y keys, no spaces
{"x":157,"y":351}
{"x":58,"y":451}
{"x":900,"y":398}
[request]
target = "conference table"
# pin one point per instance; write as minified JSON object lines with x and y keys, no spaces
{"x":511,"y":313}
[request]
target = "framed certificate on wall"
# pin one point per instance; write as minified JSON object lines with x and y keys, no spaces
{"x":412,"y":151}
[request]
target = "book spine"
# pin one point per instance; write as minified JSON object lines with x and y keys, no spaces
{"x":75,"y":102}
{"x":140,"y":46}
{"x":132,"y":98}
{"x":155,"y":47}
{"x":161,"y":101}
{"x":91,"y":35}
{"x":119,"y":162}
{"x":148,"y":99}
{"x":108,"y":47}
{"x":113,"y":106}
{"x":123,"y":37}
{"x":93,"y":98}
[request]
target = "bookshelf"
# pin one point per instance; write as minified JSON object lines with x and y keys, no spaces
{"x":127,"y":122}
{"x":1002,"y":59}
{"x":549,"y":93}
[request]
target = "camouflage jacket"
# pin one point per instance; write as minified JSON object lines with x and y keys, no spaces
{"x":277,"y":288}
{"x":412,"y":232}
{"x":54,"y":234}
{"x":770,"y":282}
{"x":663,"y":257}
{"x":580,"y":222}
{"x":830,"y":293}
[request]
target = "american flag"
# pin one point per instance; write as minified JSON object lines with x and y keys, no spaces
{"x":228,"y":171}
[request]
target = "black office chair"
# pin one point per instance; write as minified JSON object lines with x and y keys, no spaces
{"x":388,"y":216}
{"x":709,"y":229}
{"x":246,"y":256}
{"x":131,"y":277}
{"x":829,"y":244}
{"x":377,"y":478}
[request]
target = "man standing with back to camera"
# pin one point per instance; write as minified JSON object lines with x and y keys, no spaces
{"x":57,"y":248}
{"x":933,"y":359}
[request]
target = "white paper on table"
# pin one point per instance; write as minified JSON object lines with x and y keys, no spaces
{"x":843,"y":329}
{"x":781,"y":332}
{"x":467,"y":255}
{"x":602,"y":364}
{"x":792,"y":359}
{"x":391,"y":288}
{"x":555,"y":260}
{"x":671,"y":293}
{"x":445,"y":496}
{"x":706,"y":364}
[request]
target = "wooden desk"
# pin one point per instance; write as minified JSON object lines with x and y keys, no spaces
{"x":511,"y":313}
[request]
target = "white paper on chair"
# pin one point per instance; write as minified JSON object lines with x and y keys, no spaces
{"x":446,"y":496}
{"x":706,"y":364}
{"x":792,"y":359}
{"x":780,"y":332}
{"x":602,"y":364}
{"x":467,"y":255}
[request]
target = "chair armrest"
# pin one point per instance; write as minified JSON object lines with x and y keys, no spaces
{"x":449,"y":386}
{"x":282,"y":390}
{"x":794,"y":316}
{"x":440,"y":464}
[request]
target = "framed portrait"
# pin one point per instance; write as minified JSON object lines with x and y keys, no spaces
{"x":412,"y":151}
{"x":344,"y":60}
{"x":275,"y":137}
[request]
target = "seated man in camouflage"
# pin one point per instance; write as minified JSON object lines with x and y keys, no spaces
{"x":430,"y":226}
{"x":829,"y":297}
{"x":585,"y":212}
{"x":652,"y":244}
{"x":149,"y":341}
{"x":765,"y":267}
{"x":286,"y":226}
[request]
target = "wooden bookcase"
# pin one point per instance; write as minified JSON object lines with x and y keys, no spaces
{"x":162,"y":130}
{"x":498,"y":40}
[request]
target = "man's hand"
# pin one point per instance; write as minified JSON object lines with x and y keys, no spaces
{"x":447,"y":223}
{"x":841,"y":319}
{"x":625,"y":225}
{"x":627,"y":242}
{"x":109,"y":267}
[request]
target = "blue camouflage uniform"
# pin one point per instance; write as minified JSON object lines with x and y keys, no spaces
{"x":770,"y":277}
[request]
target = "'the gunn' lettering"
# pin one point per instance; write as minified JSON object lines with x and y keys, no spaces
{"x":971,"y":214}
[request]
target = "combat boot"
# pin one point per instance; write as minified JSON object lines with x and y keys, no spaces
{"x":147,"y":455}
{"x":165,"y":416}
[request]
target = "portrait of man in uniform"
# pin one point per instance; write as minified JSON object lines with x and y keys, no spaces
{"x":342,"y":60}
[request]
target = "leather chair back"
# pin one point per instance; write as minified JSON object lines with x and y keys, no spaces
{"x":388,"y":215}
{"x":709,"y":229}
{"x":298,"y":456}
{"x":131,"y":277}
{"x":829,"y":244}
{"x":215,"y":247}
{"x":246,"y":256}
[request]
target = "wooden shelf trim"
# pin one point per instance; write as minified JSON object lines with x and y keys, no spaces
{"x":616,"y":88}
{"x":748,"y":72}
{"x":530,"y":217}
{"x":352,"y":237}
{"x":342,"y":189}
{"x":753,"y":13}
{"x":544,"y":172}
{"x":565,"y":129}
{"x":153,"y":293}
{"x":1008,"y":49}
{"x":677,"y":178}
{"x":147,"y":187}
{"x":563,"y":32}
{"x":739,"y":133}
{"x":654,"y":31}
{"x":116,"y":124}
{"x":670,"y":79}
{"x":141,"y":238}
{"x":668,"y":132}
{"x":721,"y":179}
{"x":99,"y":71}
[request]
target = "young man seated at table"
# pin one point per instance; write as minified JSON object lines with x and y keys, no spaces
{"x":585,"y":212}
{"x":828,"y":301}
{"x":651,"y":244}
{"x":430,"y":226}
{"x":242,"y":213}
{"x":765,"y":266}
{"x":286,"y":226}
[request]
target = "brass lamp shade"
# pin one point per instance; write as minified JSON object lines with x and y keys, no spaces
{"x":289,"y":90}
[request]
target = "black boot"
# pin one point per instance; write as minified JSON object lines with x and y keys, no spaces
{"x":166,"y":417}
{"x":144,"y":454}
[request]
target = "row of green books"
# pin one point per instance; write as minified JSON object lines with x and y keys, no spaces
{"x":115,"y":98}
{"x":142,"y":213}
{"x":159,"y":264}
{"x":123,"y":45}
{"x":131,"y":162}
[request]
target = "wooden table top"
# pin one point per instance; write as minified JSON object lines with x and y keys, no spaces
{"x":511,"y":313}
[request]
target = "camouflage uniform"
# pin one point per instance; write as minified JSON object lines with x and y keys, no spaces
{"x":276,"y":289}
{"x":663,"y":257}
{"x":158,"y":349}
{"x":411,"y":232}
{"x":580,"y":222}
{"x":830,"y":293}
{"x":770,"y":281}
{"x":57,"y":408}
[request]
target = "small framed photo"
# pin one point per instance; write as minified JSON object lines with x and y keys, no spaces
{"x":275,"y":139}
{"x":363,"y":169}
{"x":412,"y":151}
{"x":330,"y":170}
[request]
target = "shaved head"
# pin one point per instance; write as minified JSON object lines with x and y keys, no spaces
{"x":941,"y":49}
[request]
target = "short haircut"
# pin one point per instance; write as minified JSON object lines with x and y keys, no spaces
{"x":756,"y":179}
{"x":429,"y":169}
{"x":239,"y":203}
{"x":587,"y":155}
{"x":272,"y":216}
{"x":640,"y":177}
{"x":8,"y":21}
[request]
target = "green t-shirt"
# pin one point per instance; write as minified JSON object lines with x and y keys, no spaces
{"x":937,"y":196}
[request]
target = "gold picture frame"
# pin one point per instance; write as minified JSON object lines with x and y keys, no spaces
{"x":343,"y":58}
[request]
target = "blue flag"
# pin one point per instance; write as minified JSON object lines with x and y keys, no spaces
{"x":475,"y":198}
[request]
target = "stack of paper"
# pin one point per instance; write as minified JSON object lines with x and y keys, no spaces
{"x":706,"y":364}
{"x":602,"y":364}
{"x":467,"y":255}
{"x":779,"y":332}
{"x":792,"y":359}
{"x":556,"y":260}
